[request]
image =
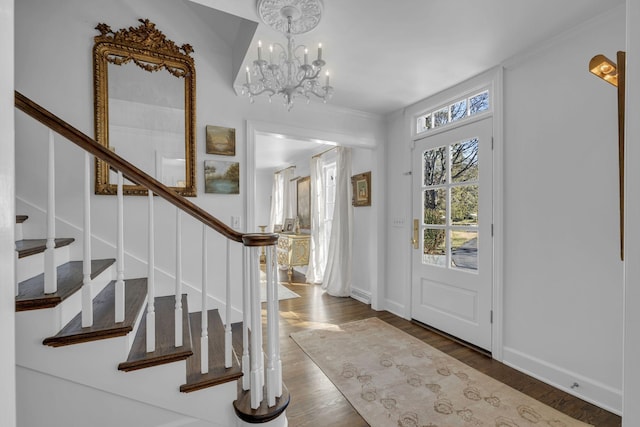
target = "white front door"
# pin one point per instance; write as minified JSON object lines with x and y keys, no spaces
{"x":452,"y":210}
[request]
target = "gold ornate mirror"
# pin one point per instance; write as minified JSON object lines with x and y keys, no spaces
{"x":144,"y":99}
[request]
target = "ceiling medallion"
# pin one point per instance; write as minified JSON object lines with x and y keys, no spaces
{"x":305,"y":14}
{"x":287,"y":70}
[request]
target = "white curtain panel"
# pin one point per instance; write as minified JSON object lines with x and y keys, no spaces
{"x":318,"y":245}
{"x":337,"y":275}
{"x":275,"y":217}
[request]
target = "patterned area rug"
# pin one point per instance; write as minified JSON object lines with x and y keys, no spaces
{"x":393,"y":379}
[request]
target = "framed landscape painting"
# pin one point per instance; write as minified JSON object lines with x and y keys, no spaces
{"x":221,"y":140}
{"x":221,"y":177}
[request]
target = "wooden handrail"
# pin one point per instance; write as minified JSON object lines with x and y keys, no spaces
{"x":134,"y":174}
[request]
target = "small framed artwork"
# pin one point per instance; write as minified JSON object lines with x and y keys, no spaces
{"x":221,"y":140}
{"x":361,"y":184}
{"x":288,"y":225}
{"x":304,"y":202}
{"x":277,"y":228}
{"x":221,"y":177}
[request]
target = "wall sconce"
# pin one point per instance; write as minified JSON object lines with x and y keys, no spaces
{"x":607,"y":70}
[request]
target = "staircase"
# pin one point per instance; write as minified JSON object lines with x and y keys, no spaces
{"x":160,"y":364}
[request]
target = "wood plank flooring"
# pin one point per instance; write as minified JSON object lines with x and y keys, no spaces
{"x":316,"y":402}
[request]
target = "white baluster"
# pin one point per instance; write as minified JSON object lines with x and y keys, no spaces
{"x":151,"y":313}
{"x":50,"y":279}
{"x":119,"y":315}
{"x":277,"y":362}
{"x":87,"y":297}
{"x":178,"y":305}
{"x":246,"y":319}
{"x":204,"y":335}
{"x":257,"y":356}
{"x":227,"y":332}
{"x":274,"y":365}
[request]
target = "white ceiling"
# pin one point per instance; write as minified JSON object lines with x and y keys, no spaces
{"x":384,"y":55}
{"x":276,"y":152}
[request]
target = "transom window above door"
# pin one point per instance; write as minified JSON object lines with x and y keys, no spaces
{"x":454,"y":111}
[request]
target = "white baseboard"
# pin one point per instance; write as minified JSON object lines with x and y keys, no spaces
{"x":590,"y":390}
{"x":360,"y":295}
{"x":396,"y":308}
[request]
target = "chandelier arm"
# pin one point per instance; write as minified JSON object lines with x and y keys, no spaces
{"x":265,"y":89}
{"x":319,"y":95}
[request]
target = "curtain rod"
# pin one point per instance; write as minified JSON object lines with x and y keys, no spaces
{"x":324,"y":152}
{"x":282,"y":170}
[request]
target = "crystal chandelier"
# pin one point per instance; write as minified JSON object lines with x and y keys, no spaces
{"x":286,"y":70}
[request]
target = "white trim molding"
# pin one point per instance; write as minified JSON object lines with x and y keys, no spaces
{"x":587,"y":389}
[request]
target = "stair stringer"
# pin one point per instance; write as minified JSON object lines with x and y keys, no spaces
{"x":95,"y":365}
{"x":91,"y":406}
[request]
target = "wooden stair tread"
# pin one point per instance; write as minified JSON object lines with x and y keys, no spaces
{"x":166,"y":351}
{"x":217,"y":374}
{"x":104,"y":325}
{"x":21,"y":218}
{"x":27,"y":247}
{"x":31,"y":294}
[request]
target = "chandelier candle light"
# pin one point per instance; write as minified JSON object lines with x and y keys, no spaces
{"x":285,"y":73}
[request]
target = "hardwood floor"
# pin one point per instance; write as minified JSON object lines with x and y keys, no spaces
{"x":316,"y":402}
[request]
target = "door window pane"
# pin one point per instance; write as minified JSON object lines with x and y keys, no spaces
{"x":464,"y":161}
{"x":464,"y":250}
{"x":435,"y":166}
{"x":435,"y":206}
{"x":464,"y":205}
{"x":434,"y":247}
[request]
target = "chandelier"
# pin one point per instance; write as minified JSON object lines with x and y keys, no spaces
{"x":287,"y":71}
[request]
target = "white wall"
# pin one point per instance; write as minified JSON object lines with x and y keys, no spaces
{"x":562,"y":269}
{"x":562,"y":274}
{"x":264,"y":184}
{"x":56,"y":71}
{"x":631,"y":409}
{"x":363,"y":228}
{"x":7,"y":218}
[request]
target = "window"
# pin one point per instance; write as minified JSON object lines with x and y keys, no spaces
{"x":460,"y":109}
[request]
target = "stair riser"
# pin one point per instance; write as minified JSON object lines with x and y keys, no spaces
{"x":47,"y":322}
{"x":18,"y":232}
{"x":33,"y":265}
{"x":72,"y":305}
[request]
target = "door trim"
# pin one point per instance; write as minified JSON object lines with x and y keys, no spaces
{"x":494,"y":80}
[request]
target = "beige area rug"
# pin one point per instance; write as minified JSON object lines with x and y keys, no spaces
{"x":393,"y":379}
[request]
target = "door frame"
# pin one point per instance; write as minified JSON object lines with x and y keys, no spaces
{"x":492,"y":79}
{"x":254,"y":128}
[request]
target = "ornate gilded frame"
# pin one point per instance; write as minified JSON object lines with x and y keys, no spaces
{"x":148,"y":48}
